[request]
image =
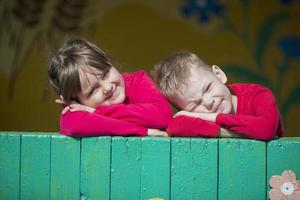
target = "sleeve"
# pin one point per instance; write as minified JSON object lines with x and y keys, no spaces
{"x":148,"y":107}
{"x":262,"y":125}
{"x":84,"y":124}
{"x":184,"y":126}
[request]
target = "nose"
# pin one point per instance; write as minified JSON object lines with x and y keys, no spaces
{"x":208,"y":102}
{"x":107,"y":89}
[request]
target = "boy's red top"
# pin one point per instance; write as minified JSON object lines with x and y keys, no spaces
{"x":144,"y":107}
{"x":257,"y":117}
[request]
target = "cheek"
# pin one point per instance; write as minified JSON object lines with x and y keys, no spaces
{"x":199,"y":109}
{"x":96,"y":100}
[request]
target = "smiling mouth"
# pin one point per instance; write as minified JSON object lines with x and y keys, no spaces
{"x":218,"y":107}
{"x":112,"y":95}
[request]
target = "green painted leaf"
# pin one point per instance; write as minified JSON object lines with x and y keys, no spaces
{"x":243,"y":73}
{"x":264,"y":35}
{"x":291,"y":100}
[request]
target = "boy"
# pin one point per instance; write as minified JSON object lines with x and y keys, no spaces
{"x":209,"y":107}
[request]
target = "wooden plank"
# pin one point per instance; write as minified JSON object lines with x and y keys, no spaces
{"x":242,"y":169}
{"x":283,"y":154}
{"x":194,"y":169}
{"x":155,"y":168}
{"x":9,"y":166}
{"x":35,"y":166}
{"x":125,"y":168}
{"x":65,"y":168}
{"x":95,"y":168}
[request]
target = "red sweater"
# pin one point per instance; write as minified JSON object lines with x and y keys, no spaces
{"x":257,"y":117}
{"x":144,"y":107}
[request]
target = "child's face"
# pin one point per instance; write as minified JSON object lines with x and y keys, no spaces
{"x":101,"y":90}
{"x":205,"y":92}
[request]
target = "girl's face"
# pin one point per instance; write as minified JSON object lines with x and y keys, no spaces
{"x":101,"y":89}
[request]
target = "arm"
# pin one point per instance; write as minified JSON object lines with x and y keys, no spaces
{"x":262,"y":125}
{"x":83,"y":123}
{"x":185,"y":126}
{"x":147,"y":107}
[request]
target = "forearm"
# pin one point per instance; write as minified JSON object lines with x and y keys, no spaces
{"x":254,"y":127}
{"x":184,"y":126}
{"x":151,"y":115}
{"x":89,"y":124}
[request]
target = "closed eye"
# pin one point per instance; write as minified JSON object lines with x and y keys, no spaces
{"x":94,"y":89}
{"x":208,"y":87}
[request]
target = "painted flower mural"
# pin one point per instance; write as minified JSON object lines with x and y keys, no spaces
{"x":202,"y":9}
{"x":284,"y":187}
{"x":264,"y":38}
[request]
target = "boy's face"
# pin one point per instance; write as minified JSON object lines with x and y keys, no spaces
{"x":101,"y":89}
{"x":205,"y":92}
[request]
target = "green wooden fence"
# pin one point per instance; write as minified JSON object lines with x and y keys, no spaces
{"x":51,"y":166}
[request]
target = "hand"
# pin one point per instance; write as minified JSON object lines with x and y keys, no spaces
{"x":74,"y":106}
{"x":228,"y":134}
{"x":77,"y":107}
{"x":206,"y":116}
{"x":157,"y":133}
{"x":61,"y":101}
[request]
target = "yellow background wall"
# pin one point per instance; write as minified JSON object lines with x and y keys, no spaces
{"x":138,"y":34}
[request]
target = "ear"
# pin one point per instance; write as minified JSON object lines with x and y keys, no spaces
{"x":219,"y":73}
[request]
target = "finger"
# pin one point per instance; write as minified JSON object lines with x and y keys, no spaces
{"x":165,"y":134}
{"x":76,"y":105}
{"x":162,"y":134}
{"x":76,"y":109}
{"x":179,"y":114}
{"x":62,"y":99}
{"x":59,"y":101}
{"x":66,"y":109}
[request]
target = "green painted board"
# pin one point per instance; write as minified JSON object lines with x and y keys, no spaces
{"x":242,"y":169}
{"x":35,"y":167}
{"x":65,"y":168}
{"x":95,"y":167}
{"x":194,"y":169}
{"x":155,"y":168}
{"x":9,"y":166}
{"x":283,"y":154}
{"x":125,"y":168}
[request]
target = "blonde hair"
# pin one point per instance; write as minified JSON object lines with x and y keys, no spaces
{"x":174,"y":71}
{"x":70,"y":59}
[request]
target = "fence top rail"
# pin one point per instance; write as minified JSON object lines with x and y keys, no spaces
{"x":55,"y":134}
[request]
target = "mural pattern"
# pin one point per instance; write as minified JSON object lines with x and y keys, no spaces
{"x":44,"y":24}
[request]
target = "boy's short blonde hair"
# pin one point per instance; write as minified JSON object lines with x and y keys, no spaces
{"x":174,"y":71}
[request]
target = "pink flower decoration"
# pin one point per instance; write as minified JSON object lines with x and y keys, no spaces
{"x":285,"y":187}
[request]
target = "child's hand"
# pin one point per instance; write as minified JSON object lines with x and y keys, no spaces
{"x":205,"y":116}
{"x":157,"y":133}
{"x":61,"y":101}
{"x":77,"y":107}
{"x":74,"y":106}
{"x":227,"y":133}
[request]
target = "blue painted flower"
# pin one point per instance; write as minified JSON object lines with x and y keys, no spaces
{"x":290,"y":46}
{"x":288,"y":2}
{"x":203,"y":9}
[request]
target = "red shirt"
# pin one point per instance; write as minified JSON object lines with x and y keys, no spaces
{"x":144,"y":107}
{"x":257,"y":117}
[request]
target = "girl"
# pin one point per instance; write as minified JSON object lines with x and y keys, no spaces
{"x":101,"y":101}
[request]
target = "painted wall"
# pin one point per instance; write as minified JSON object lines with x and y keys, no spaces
{"x":253,"y":41}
